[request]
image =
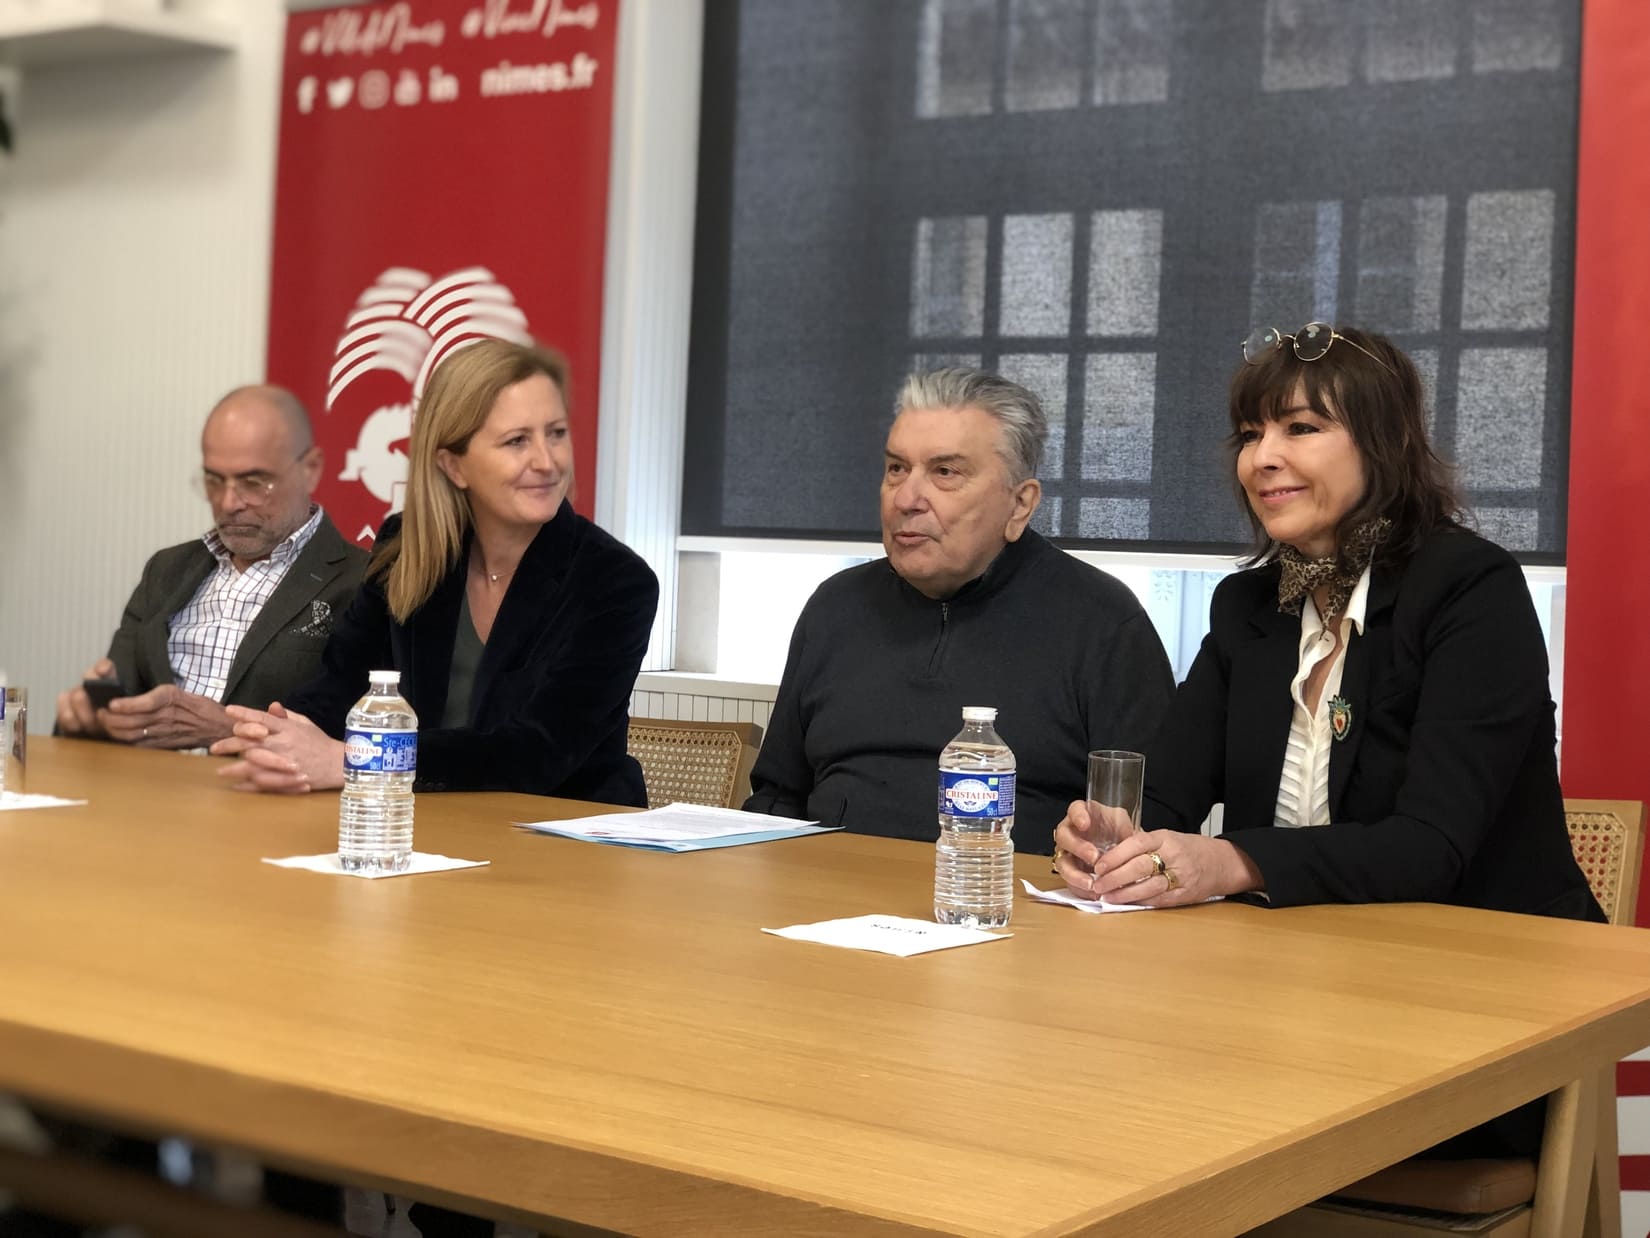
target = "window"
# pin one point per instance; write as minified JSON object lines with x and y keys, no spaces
{"x":1099,"y":198}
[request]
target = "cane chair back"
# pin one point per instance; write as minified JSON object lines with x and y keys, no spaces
{"x":695,"y":762}
{"x":1608,"y":839}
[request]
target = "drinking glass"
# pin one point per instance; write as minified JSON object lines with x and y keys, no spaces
{"x":14,"y":737}
{"x":1116,"y":781}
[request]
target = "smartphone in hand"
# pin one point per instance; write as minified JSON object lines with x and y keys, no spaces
{"x":102,"y":691}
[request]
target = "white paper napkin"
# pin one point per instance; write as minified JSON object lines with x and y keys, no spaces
{"x":888,"y":934}
{"x":422,"y":862}
{"x":16,"y":799}
{"x":1066,"y":898}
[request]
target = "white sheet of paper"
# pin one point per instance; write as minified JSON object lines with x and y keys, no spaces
{"x":422,"y":862}
{"x":888,"y":934}
{"x":10,"y":800}
{"x":673,"y":823}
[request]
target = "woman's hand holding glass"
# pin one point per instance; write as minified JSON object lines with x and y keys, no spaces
{"x":1160,"y":868}
{"x":280,"y":751}
{"x":1111,"y":814}
{"x":1100,"y":851}
{"x":1089,"y":833}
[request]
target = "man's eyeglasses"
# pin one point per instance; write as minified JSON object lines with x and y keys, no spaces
{"x":252,"y":488}
{"x":1310,"y":343}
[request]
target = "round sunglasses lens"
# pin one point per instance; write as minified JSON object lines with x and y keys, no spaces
{"x":1262,"y":340}
{"x":1313,"y":340}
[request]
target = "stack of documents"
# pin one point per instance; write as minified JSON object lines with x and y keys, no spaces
{"x":679,"y":827}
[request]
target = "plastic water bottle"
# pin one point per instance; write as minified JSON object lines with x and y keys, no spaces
{"x":375,"y":811}
{"x":974,"y":864}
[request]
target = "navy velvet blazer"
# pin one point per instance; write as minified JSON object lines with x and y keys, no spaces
{"x":550,"y":710}
{"x":1445,"y":787}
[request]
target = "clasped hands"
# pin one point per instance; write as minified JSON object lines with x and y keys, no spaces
{"x":1187,"y":868}
{"x":279,"y":751}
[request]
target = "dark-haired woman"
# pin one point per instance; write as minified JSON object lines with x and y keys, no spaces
{"x":1371,"y":703}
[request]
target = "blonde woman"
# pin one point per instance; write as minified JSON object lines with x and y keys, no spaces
{"x":517,"y":625}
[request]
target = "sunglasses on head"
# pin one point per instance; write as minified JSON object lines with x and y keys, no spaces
{"x":1310,"y":343}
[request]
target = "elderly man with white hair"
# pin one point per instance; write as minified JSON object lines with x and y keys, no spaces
{"x":970,"y":607}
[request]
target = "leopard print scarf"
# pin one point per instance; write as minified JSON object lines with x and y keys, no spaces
{"x":1301,"y":575}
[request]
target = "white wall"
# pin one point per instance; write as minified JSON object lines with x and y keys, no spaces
{"x":134,"y":290}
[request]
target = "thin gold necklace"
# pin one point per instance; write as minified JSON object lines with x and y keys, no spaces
{"x":495,"y":577}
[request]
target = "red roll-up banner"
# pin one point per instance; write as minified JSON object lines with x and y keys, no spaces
{"x":442,"y":175}
{"x":1607,"y":642}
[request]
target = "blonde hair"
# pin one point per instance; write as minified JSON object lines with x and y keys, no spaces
{"x":436,"y":514}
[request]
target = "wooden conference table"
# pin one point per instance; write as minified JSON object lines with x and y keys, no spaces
{"x":602,"y":1036}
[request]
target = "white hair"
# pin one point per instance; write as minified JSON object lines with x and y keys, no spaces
{"x":1016,"y":410}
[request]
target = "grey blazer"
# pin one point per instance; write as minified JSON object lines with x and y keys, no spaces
{"x":283,"y":647}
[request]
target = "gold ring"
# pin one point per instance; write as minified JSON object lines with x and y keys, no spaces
{"x":1159,"y":868}
{"x":1058,"y":856}
{"x":1168,"y":875}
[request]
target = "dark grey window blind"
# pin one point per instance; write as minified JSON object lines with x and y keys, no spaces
{"x":1099,"y":198}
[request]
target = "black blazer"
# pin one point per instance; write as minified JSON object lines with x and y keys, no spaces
{"x":281,"y":650}
{"x":1445,"y":788}
{"x":550,"y":710}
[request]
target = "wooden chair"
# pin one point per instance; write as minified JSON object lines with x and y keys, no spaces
{"x":695,"y":762}
{"x":1574,"y":1189}
{"x":1608,"y":839}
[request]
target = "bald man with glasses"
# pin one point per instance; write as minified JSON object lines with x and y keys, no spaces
{"x":241,"y":615}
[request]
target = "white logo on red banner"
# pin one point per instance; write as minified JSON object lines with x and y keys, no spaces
{"x":466,"y":134}
{"x":407,"y":324}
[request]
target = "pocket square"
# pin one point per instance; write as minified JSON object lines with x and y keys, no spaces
{"x":320,"y":620}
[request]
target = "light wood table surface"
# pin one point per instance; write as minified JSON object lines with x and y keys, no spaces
{"x":603,"y":1035}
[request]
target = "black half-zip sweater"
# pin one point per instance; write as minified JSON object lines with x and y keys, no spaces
{"x":878,"y":674}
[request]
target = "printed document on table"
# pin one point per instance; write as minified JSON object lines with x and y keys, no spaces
{"x":679,"y":827}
